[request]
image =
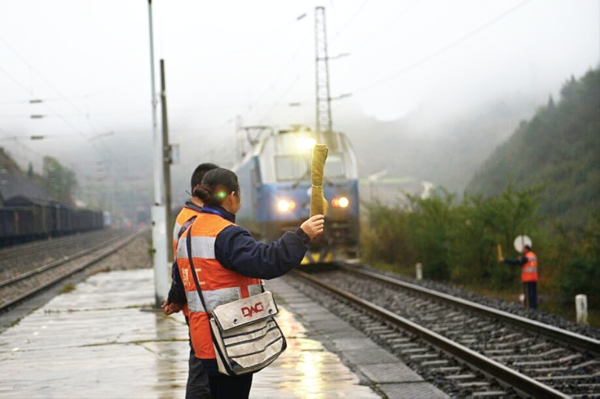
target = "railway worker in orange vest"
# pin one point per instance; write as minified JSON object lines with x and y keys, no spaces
{"x":230,"y":264}
{"x":529,"y":274}
{"x":197,"y":382}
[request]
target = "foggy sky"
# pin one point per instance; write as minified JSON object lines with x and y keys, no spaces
{"x":89,"y":63}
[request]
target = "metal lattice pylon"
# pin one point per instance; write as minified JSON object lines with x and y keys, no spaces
{"x":324,"y":122}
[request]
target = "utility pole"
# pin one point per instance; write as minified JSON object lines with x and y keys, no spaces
{"x":159,"y":222}
{"x":324,"y":123}
{"x":166,"y":160}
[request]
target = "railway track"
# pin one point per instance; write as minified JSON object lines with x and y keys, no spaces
{"x":465,"y":348}
{"x":15,"y":251}
{"x":26,"y":257}
{"x":20,"y":285}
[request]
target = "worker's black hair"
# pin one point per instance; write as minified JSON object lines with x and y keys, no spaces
{"x":199,"y":174}
{"x":216,"y":185}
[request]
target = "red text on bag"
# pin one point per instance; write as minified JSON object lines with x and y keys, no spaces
{"x":248,"y":311}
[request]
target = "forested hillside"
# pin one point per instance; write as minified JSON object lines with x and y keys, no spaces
{"x":559,"y":150}
{"x":544,"y":181}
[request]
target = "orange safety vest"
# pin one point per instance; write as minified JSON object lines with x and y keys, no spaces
{"x":529,"y":270}
{"x":183,"y":216}
{"x":219,"y":285}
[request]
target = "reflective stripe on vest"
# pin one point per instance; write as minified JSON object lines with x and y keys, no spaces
{"x":215,"y":298}
{"x":202,"y":247}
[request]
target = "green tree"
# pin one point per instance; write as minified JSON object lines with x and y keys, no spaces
{"x":431,"y":222}
{"x":386,"y":236}
{"x":454,"y":241}
{"x":573,"y":262}
{"x":59,"y":182}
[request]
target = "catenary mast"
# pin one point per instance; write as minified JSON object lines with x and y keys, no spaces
{"x":324,"y":123}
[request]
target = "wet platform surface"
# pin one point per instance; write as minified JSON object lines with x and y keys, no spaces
{"x":103,"y":340}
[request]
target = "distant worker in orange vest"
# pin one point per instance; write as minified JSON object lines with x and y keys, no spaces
{"x":529,"y":274}
{"x":197,"y":384}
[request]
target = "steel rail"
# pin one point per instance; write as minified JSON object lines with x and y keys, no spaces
{"x":565,"y":336}
{"x":58,"y":279}
{"x":488,"y":366}
{"x":10,"y":251}
{"x":59,"y":262}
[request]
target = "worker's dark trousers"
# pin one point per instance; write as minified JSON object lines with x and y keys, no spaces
{"x":530,"y":291}
{"x":197,"y":384}
{"x":226,"y":387}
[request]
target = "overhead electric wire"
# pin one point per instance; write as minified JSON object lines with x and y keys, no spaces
{"x":14,"y":80}
{"x":339,"y":31}
{"x":79,"y":97}
{"x":404,"y":12}
{"x":283,"y":68}
{"x":60,"y":95}
{"x":29,"y":149}
{"x":445,"y":48}
{"x":279,"y":73}
{"x":34,"y":137}
{"x":247,"y":47}
{"x":42,"y":78}
{"x":290,"y":87}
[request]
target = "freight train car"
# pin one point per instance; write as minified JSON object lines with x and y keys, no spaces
{"x":23,"y":219}
{"x":275,"y":185}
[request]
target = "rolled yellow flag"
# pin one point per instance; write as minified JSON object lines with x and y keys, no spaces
{"x":499,"y":248}
{"x":318,"y":203}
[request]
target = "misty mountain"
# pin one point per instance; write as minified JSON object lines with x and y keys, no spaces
{"x":559,"y":149}
{"x":435,"y":145}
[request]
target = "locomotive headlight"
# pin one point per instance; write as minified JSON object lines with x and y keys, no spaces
{"x":284,"y":205}
{"x":305,"y":143}
{"x":340,"y":202}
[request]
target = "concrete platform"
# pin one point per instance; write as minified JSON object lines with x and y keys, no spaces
{"x":99,"y":341}
{"x":103,"y":340}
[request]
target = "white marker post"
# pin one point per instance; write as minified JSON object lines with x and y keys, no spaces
{"x":581,"y":308}
{"x":419,"y":271}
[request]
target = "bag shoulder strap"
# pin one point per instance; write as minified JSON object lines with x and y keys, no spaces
{"x":185,"y":226}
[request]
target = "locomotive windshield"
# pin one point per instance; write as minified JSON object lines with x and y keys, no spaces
{"x":296,"y":167}
{"x":291,"y":167}
{"x":334,"y":167}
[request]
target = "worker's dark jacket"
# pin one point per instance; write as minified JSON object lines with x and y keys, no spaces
{"x":237,"y":250}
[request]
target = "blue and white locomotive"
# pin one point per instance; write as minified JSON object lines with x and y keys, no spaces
{"x":274,"y":174}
